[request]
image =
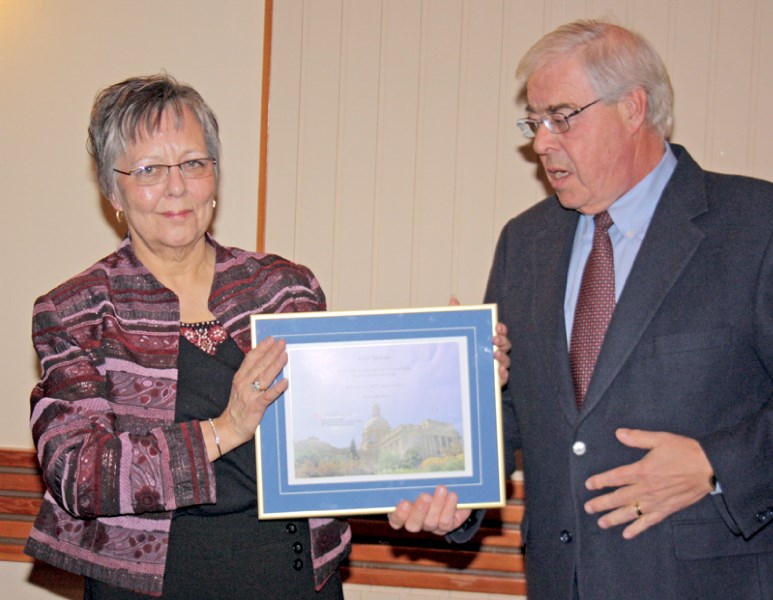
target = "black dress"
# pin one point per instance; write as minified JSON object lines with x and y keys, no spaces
{"x":222,"y":551}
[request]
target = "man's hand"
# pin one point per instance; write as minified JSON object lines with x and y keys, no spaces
{"x":502,"y":352}
{"x":673,"y":475}
{"x":437,"y":513}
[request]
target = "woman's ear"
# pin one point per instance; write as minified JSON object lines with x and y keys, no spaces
{"x":117,"y":207}
{"x":114,"y":201}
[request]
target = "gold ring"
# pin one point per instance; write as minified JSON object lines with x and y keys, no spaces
{"x":639,"y":513}
{"x":257,"y":387}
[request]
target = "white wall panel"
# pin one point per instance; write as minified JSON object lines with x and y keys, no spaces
{"x":356,"y":154}
{"x":519,"y":181}
{"x":318,"y":135}
{"x":394,"y":159}
{"x":436,"y":156}
{"x":730,"y":85}
{"x":394,"y":194}
{"x":481,"y":79}
{"x":653,"y":20}
{"x":689,"y":49}
{"x":283,"y":127}
{"x":761,"y":159}
{"x":617,"y":11}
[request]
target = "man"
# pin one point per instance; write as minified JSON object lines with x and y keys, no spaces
{"x":648,"y":452}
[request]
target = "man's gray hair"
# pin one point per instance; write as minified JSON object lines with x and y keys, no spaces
{"x":616,"y":62}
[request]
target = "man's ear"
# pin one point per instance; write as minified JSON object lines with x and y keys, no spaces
{"x":634,"y":108}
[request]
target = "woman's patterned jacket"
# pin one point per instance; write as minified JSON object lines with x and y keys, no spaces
{"x":115,"y":463}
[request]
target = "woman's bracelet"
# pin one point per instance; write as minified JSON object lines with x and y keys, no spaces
{"x":217,"y":438}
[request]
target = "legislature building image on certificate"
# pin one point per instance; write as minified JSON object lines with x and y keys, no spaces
{"x":377,"y":410}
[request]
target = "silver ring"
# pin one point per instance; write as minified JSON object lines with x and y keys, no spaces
{"x":257,"y":386}
{"x":639,"y":513}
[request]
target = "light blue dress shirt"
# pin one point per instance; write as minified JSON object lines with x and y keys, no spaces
{"x":631,"y":214}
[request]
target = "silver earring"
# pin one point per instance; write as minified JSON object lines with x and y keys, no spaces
{"x":214,"y":203}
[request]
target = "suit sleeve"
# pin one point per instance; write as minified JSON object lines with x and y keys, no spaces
{"x":510,"y":432}
{"x":742,"y":456}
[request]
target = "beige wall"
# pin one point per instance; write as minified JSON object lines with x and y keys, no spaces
{"x":394,"y":160}
{"x":54,"y":55}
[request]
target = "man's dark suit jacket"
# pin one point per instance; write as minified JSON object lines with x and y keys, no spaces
{"x":689,"y":350}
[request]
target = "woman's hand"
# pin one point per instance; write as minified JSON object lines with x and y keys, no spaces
{"x":252,"y":391}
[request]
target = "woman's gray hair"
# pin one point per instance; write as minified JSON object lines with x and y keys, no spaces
{"x":616,"y":62}
{"x":128,"y":111}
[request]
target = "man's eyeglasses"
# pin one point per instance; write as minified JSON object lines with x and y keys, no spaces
{"x":555,"y":122}
{"x":195,"y":168}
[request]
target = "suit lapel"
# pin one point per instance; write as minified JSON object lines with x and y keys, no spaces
{"x":670,"y":242}
{"x":551,"y":251}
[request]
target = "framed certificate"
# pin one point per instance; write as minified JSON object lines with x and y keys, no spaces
{"x":381,"y":406}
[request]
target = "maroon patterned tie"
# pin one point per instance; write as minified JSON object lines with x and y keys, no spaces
{"x":594,"y":307}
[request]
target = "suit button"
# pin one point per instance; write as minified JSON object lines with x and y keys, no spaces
{"x":297,"y":564}
{"x":297,"y":547}
{"x":565,"y":537}
{"x":762,"y":516}
{"x":292,"y":528}
{"x":579,"y":448}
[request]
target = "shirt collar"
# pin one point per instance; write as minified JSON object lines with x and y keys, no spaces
{"x":633,"y":211}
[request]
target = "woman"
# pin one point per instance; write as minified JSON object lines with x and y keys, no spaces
{"x":150,"y":394}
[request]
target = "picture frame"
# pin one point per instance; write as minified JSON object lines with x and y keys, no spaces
{"x":382,"y":406}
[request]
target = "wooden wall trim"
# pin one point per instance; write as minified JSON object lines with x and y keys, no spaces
{"x":268,"y":19}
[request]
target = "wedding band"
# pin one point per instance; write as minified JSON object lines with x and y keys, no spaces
{"x":639,"y":513}
{"x":257,"y":387}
